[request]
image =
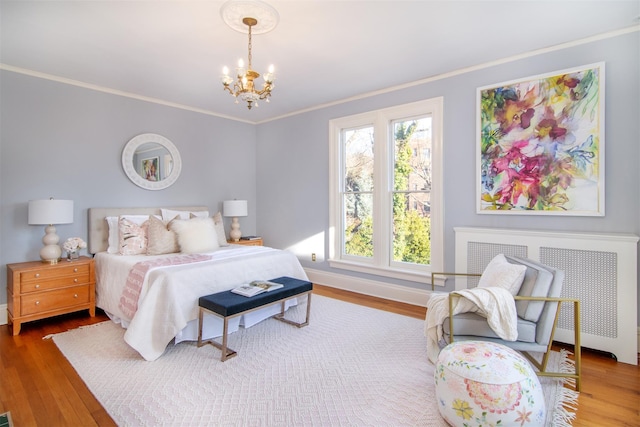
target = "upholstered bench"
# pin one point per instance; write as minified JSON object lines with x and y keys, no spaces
{"x":485,"y":383}
{"x":228,"y":305}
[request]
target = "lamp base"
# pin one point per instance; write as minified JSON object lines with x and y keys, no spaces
{"x":235,"y":232}
{"x":51,"y":252}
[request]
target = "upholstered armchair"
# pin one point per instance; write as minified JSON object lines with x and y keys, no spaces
{"x":537,"y":304}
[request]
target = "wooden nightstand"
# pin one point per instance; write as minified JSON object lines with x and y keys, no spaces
{"x":254,"y":242}
{"x":37,"y":291}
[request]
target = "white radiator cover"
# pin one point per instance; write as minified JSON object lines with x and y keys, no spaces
{"x":600,"y":271}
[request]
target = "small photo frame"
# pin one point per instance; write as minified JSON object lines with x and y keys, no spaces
{"x":150,"y":168}
{"x":540,"y":144}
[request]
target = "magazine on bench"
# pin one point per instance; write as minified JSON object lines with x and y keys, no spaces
{"x":256,"y":287}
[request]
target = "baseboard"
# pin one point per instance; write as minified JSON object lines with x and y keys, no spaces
{"x":3,"y":314}
{"x":374,"y":288}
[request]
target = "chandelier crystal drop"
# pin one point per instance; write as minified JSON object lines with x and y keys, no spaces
{"x":243,"y":86}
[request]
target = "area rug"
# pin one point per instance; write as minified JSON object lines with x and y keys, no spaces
{"x":352,"y":366}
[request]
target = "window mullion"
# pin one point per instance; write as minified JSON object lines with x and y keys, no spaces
{"x":382,"y":215}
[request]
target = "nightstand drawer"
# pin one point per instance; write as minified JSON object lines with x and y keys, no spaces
{"x":52,"y":300}
{"x":55,"y":272}
{"x":44,"y":285}
{"x":252,"y":242}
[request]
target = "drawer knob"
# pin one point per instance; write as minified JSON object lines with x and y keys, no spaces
{"x":37,"y":302}
{"x":75,"y":280}
{"x":75,"y":270}
{"x":37,"y":274}
{"x":37,"y":286}
{"x":75,"y":295}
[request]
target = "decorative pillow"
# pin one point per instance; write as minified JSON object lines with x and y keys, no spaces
{"x":114,"y":230}
{"x":219,"y":225}
{"x":114,"y":234}
{"x":536,"y":283}
{"x":169,"y":214}
{"x":502,"y":273}
{"x":133,"y":237}
{"x":161,"y":240}
{"x":197,"y":235}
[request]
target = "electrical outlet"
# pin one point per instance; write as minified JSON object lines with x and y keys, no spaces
{"x":313,"y":257}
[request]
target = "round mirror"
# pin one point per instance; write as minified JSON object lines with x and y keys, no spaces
{"x":151,"y":161}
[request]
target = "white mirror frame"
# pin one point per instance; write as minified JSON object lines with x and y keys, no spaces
{"x":127,"y":161}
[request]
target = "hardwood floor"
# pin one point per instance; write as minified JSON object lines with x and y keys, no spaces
{"x":37,"y":383}
{"x":40,"y":387}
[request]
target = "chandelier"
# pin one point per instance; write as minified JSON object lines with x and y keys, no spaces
{"x":245,"y":85}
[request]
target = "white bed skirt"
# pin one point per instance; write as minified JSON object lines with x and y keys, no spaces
{"x":212,"y":325}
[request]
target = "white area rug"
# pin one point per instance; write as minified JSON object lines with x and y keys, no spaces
{"x":352,"y":366}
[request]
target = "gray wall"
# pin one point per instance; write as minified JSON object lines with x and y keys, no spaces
{"x":66,"y":142}
{"x":293,"y":190}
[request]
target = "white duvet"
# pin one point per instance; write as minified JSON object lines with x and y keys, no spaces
{"x":168,"y":303}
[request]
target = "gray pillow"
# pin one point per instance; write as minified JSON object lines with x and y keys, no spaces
{"x":536,"y":283}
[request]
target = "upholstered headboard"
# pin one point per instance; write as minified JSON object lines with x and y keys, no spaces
{"x":99,"y":230}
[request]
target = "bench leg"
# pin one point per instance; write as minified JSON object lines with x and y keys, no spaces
{"x":200,"y":316}
{"x":227,"y":353}
{"x":281,"y":317}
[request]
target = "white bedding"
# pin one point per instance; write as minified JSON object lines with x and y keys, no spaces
{"x":168,"y":303}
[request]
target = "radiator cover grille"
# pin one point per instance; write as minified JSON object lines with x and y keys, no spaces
{"x":590,"y":276}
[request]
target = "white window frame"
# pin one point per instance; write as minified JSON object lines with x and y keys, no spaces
{"x":381,"y":263}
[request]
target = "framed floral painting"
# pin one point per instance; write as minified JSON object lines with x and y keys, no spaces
{"x":541,"y":144}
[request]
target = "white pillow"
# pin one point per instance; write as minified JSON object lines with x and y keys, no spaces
{"x":112,"y":223}
{"x":222,"y":237}
{"x":197,"y":235}
{"x":114,"y":230}
{"x":502,"y":273}
{"x":169,"y":214}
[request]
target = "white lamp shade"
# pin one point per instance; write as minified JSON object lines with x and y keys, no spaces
{"x":234,"y":208}
{"x":50,"y":211}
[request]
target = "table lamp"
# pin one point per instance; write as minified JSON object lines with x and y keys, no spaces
{"x":234,"y":208}
{"x":49,"y":212}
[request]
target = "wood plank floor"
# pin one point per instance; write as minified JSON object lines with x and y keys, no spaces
{"x":40,"y":387}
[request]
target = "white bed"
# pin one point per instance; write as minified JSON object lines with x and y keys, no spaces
{"x":168,"y":304}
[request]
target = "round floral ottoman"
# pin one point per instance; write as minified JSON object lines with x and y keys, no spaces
{"x":483,"y":383}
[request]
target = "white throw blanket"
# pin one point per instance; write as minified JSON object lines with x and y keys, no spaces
{"x":494,"y":303}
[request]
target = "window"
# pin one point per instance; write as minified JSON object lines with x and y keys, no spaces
{"x":386,"y":191}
